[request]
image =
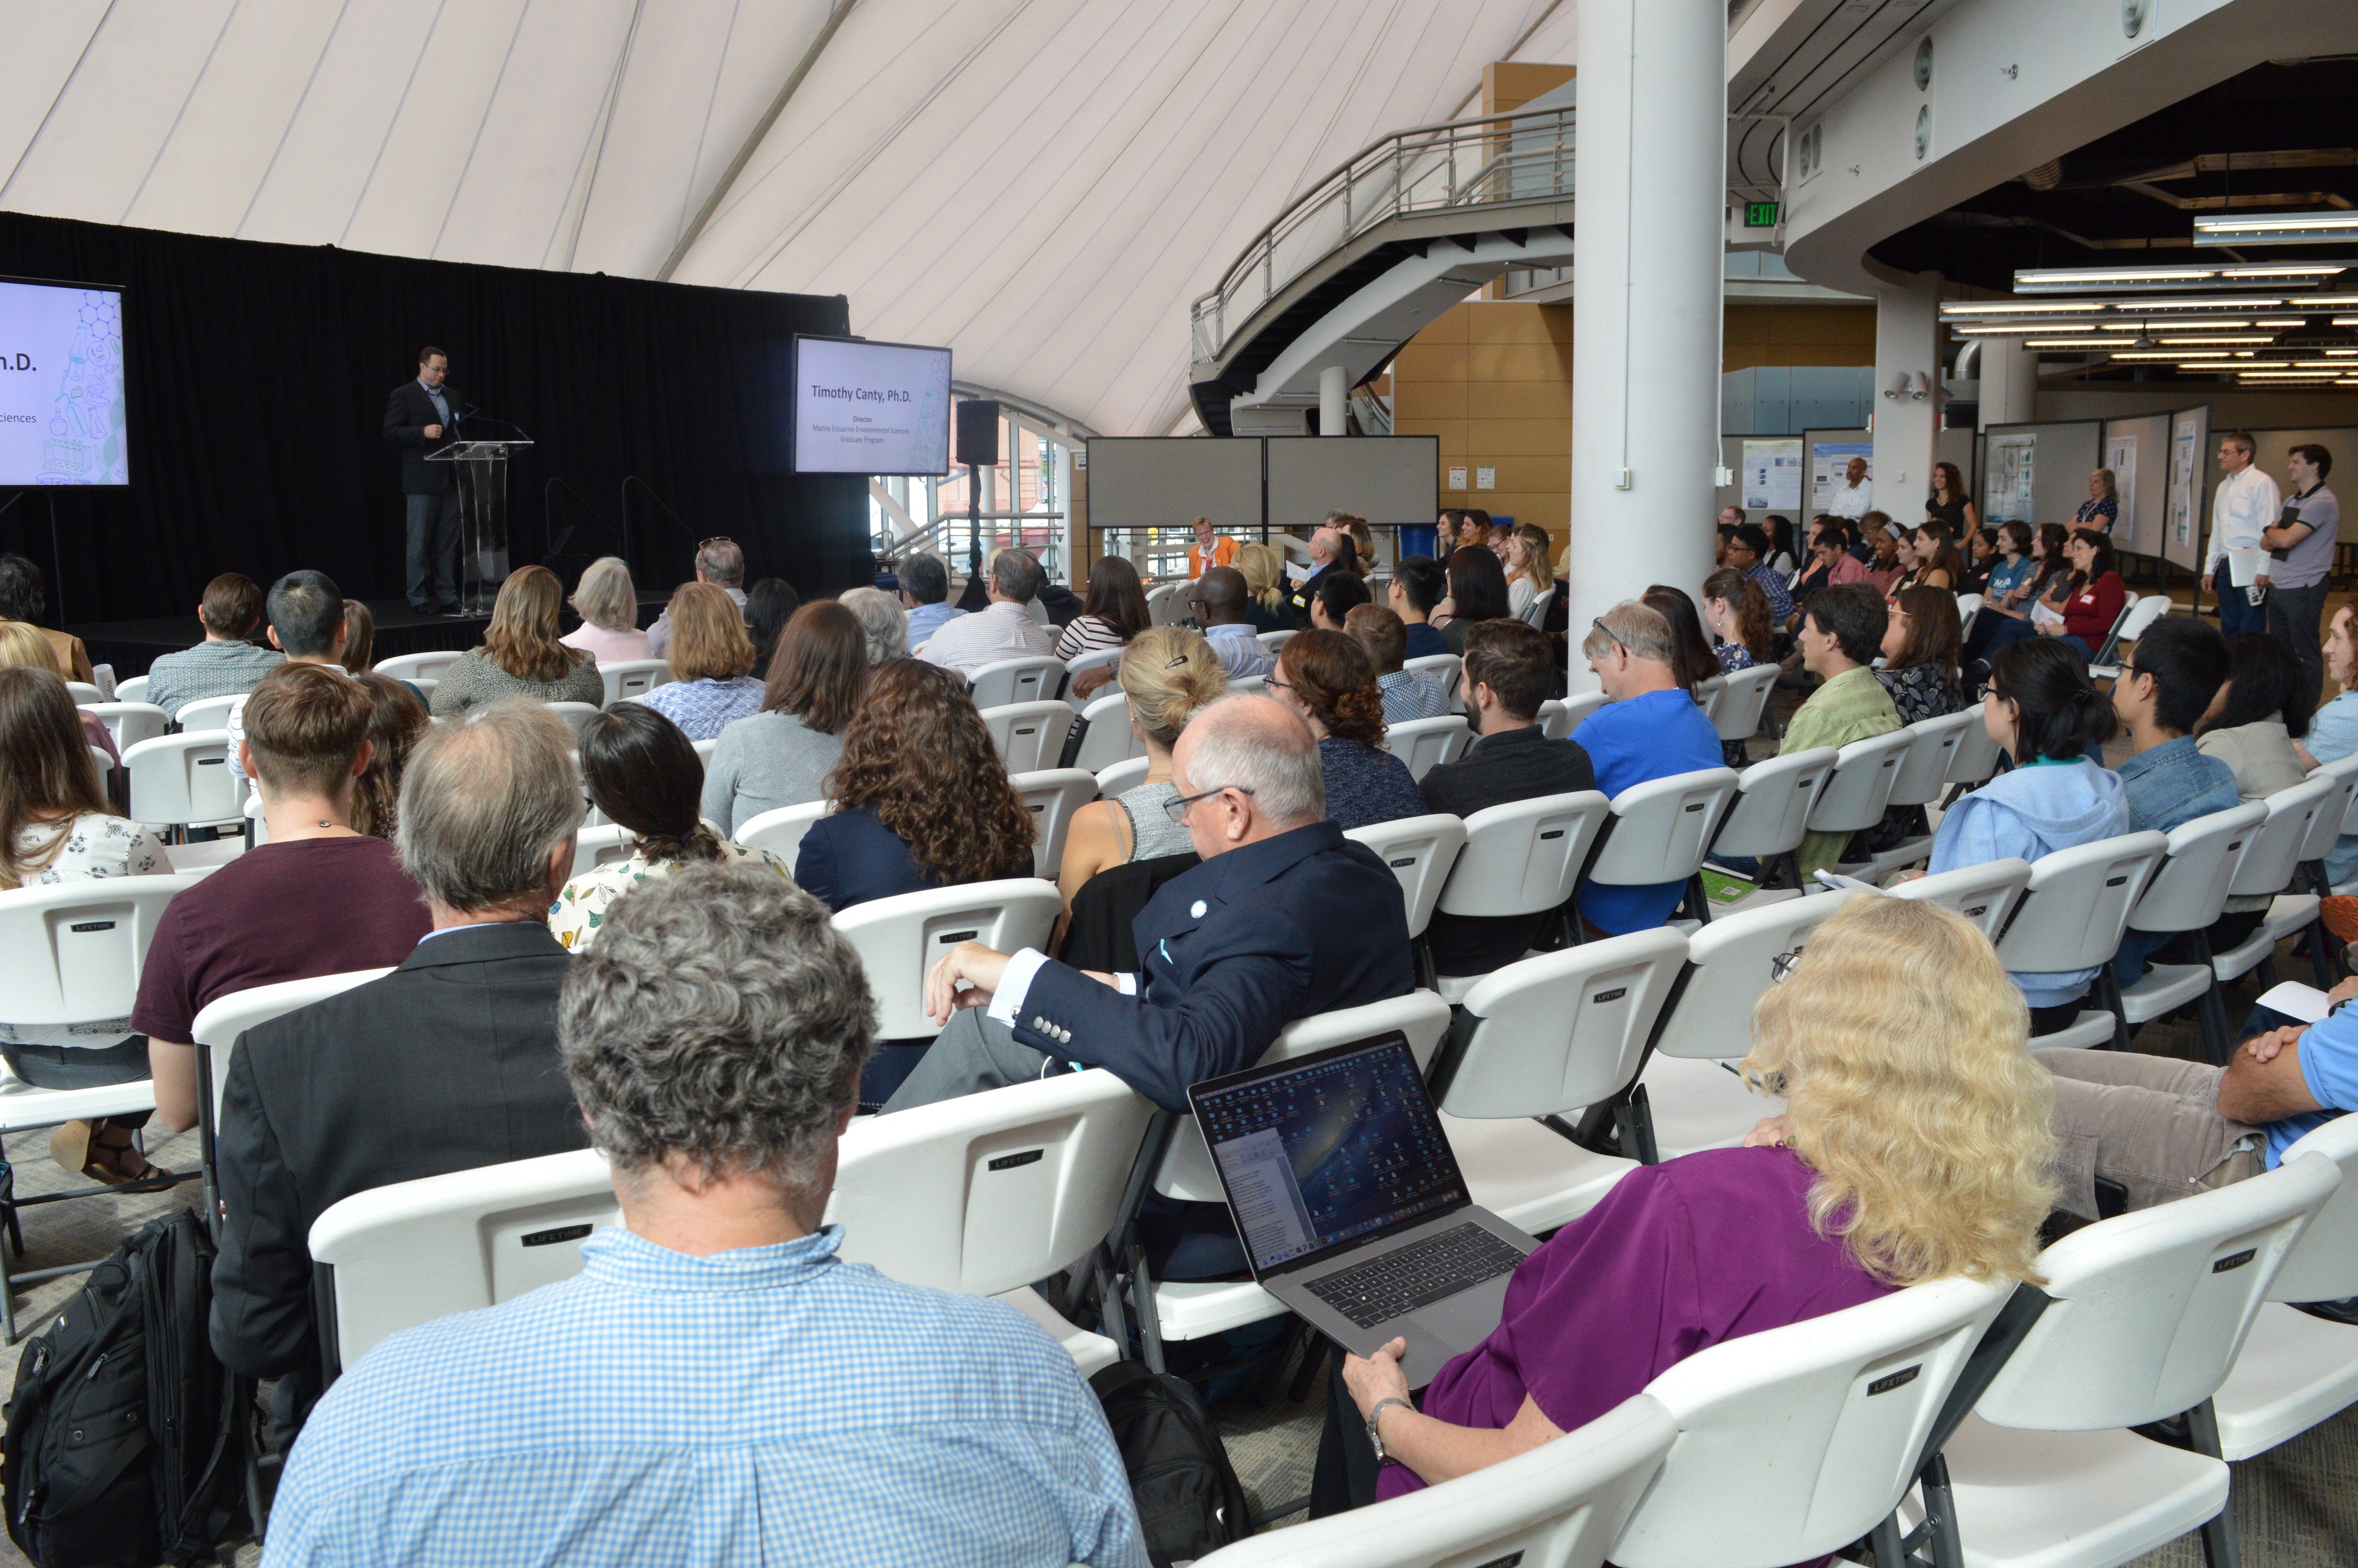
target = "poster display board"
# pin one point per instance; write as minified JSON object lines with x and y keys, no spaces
{"x":2189,"y":429}
{"x":1771,"y":474}
{"x":2038,"y":473}
{"x":2137,"y":451}
{"x":2006,"y":492}
{"x":1829,"y":452}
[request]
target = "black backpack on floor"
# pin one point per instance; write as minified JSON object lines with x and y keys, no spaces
{"x":123,"y":1444}
{"x":1189,"y":1499}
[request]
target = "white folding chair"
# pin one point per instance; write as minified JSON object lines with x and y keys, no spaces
{"x":1426,"y":743}
{"x":207,"y":714}
{"x":2267,"y":868}
{"x":1975,"y":761}
{"x":1166,"y":604}
{"x":1743,"y":702}
{"x":2145,"y":1314}
{"x":704,"y":750}
{"x":2135,"y":617}
{"x":71,"y":956}
{"x":2297,"y":1369}
{"x":181,"y":780}
{"x":1109,"y":738}
{"x":409,"y":667}
{"x":2186,"y":894}
{"x":1106,"y":659}
{"x":1248,"y":685}
{"x":1798,"y":1441}
{"x":633,"y":677}
{"x":128,"y":722}
{"x":2324,"y":830}
{"x":1708,"y":692}
{"x":1451,"y":667}
{"x":1968,"y":606}
{"x":1271,"y":641}
{"x":1984,"y":894}
{"x":781,"y":831}
{"x":1034,"y":678}
{"x":1522,"y":857}
{"x":596,"y":846}
{"x":898,"y":939}
{"x":2072,"y":912}
{"x":1551,"y":1036}
{"x":1659,"y":829}
{"x":1029,"y":736}
{"x":132,"y":690}
{"x":1570,"y":712}
{"x":1931,"y":749}
{"x":1127,"y":774}
{"x":83,"y":693}
{"x":1558,"y":1506}
{"x":1771,"y":815}
{"x":577,"y":714}
{"x":426,"y":684}
{"x":984,"y":1194}
{"x":1419,"y":850}
{"x":1853,"y":799}
{"x":1051,"y":795}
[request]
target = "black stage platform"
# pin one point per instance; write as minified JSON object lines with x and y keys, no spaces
{"x":132,"y":645}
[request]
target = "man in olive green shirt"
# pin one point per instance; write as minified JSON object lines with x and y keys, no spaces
{"x":1841,"y":634}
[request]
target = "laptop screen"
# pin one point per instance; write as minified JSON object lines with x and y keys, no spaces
{"x":1327,"y":1149}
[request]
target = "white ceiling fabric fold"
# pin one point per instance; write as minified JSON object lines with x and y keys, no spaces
{"x":1043,"y":185}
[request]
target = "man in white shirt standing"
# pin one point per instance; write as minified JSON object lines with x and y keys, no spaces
{"x":1003,"y":629}
{"x":1854,"y":497}
{"x":2246,"y":503}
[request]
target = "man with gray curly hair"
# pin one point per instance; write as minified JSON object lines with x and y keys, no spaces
{"x":716,"y":1373}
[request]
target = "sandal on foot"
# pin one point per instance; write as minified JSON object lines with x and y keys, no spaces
{"x":82,"y":1147}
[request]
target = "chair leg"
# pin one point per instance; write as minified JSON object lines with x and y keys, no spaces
{"x":1141,"y":1300}
{"x":1941,"y":1514}
{"x":2219,"y":1547}
{"x":1890,"y":1551}
{"x":1634,"y":1118}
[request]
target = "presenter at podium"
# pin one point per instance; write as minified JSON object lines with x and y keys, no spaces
{"x":422,"y":416}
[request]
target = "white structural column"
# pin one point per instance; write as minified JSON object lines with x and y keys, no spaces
{"x":1646,"y":300}
{"x":1907,"y":427}
{"x":1334,"y":400}
{"x":2009,"y":382}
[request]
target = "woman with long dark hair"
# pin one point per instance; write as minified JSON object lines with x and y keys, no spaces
{"x":1738,"y":614}
{"x":1692,"y":661}
{"x":1920,"y":653}
{"x":769,"y":604}
{"x":1948,"y":504}
{"x":781,"y":756}
{"x":1477,"y":592}
{"x":1114,"y":612}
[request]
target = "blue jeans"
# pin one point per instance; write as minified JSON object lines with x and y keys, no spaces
{"x":2238,"y":616}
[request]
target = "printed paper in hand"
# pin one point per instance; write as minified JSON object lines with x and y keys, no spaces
{"x":2306,"y":1003}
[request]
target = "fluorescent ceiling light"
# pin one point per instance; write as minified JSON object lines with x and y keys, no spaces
{"x":2069,"y":342}
{"x":2012,"y":307}
{"x":2277,"y":229}
{"x":2086,"y":279}
{"x":2286,"y":269}
{"x":2017,"y":329}
{"x":2232,"y":338}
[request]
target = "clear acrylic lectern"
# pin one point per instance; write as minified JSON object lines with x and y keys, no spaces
{"x":481,"y":475}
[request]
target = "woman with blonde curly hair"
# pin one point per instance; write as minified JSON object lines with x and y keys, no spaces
{"x":1170,"y":675}
{"x":520,"y":656}
{"x":1914,"y":1146}
{"x":1264,"y":587}
{"x":1328,"y":679}
{"x":921,"y":797}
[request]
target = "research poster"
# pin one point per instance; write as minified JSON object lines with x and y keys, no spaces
{"x":2120,"y":456}
{"x":1772,"y":475}
{"x":1830,"y":466}
{"x":2185,"y":448}
{"x":62,"y":405}
{"x":2011,"y":462}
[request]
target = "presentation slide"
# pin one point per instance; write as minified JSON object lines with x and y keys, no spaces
{"x":61,"y":409}
{"x":872,"y":408}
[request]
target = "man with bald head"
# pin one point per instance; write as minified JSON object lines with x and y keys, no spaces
{"x":1284,"y":918}
{"x":1330,"y":549}
{"x":1222,"y":605}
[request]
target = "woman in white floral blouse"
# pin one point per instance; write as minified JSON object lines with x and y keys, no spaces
{"x":642,"y":772}
{"x":55,"y":826}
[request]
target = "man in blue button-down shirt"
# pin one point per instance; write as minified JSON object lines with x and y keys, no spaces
{"x":717,"y":1386}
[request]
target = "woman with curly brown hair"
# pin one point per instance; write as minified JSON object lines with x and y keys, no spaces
{"x":921,"y":797}
{"x":1328,"y":679}
{"x":520,"y":655}
{"x":397,"y":722}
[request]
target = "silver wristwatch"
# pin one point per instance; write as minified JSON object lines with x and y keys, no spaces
{"x":1374,"y":1441}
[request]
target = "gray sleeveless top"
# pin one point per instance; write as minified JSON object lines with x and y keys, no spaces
{"x":1152,"y":834}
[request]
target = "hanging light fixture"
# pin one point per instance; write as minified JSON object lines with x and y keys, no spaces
{"x":2277,"y":229}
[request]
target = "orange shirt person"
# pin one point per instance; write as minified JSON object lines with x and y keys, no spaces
{"x":1208,"y":551}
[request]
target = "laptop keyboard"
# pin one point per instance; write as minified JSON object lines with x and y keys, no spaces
{"x":1398,"y":1282}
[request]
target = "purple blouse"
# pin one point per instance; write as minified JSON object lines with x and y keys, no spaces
{"x":1679,"y":1256}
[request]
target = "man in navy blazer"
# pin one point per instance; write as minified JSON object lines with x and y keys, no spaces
{"x":1284,"y":918}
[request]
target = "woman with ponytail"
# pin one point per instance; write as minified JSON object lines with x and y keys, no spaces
{"x":642,"y":770}
{"x":2042,"y":711}
{"x":1328,"y":679}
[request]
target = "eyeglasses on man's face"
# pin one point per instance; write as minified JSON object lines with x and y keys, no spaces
{"x":1177,"y":809}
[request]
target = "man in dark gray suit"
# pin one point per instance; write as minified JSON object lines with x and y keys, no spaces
{"x":422,"y":416}
{"x":448,"y":1064}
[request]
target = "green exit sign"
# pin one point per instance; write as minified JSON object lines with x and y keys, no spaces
{"x":1761,"y":214}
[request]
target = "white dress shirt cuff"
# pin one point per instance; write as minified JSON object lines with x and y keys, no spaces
{"x":1007,"y":1003}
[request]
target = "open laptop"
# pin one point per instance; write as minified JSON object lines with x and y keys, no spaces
{"x":1351,"y":1205}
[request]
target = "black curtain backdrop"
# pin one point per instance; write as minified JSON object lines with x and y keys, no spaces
{"x":257,"y":377}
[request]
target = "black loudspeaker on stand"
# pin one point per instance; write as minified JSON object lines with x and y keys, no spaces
{"x":977,"y":448}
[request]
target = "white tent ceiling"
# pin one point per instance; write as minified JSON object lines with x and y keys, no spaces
{"x":1041,"y":184}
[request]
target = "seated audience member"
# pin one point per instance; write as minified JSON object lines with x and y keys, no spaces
{"x":1649,"y":728}
{"x":1842,"y":632}
{"x":1407,"y":694}
{"x":1114,"y":612}
{"x":1932,"y":559}
{"x":397,"y":722}
{"x":2166,"y":685}
{"x":1529,"y":577}
{"x":1221,"y":603}
{"x":781,"y":755}
{"x":1831,"y":562}
{"x":360,"y":638}
{"x":769,"y":605}
{"x":1914,"y":1147}
{"x":1509,"y":669}
{"x":2031,"y":590}
{"x":607,"y":602}
{"x":1327,"y":679}
{"x":710,"y":659}
{"x":641,"y":771}
{"x":1170,"y":675}
{"x":2333,"y":735}
{"x":1691,"y":660}
{"x":1003,"y":629}
{"x":1980,"y":562}
{"x":2165,"y":1128}
{"x":22,"y":648}
{"x":882,"y":621}
{"x":2011,"y":569}
{"x":1300,"y":921}
{"x":713,"y":1041}
{"x":1736,"y":611}
{"x":318,"y":899}
{"x":1331,"y":553}
{"x":1920,"y":653}
{"x":1264,"y":576}
{"x":448,"y":1064}
{"x":2261,"y":714}
{"x":921,"y":797}
{"x":225,"y":663}
{"x":1883,"y":568}
{"x":721,"y":563}
{"x":55,"y":826}
{"x":1419,"y":583}
{"x":1477,"y":592}
{"x":1339,"y":593}
{"x":520,"y":656}
{"x":1748,"y":552}
{"x":925,"y":592}
{"x":2043,"y":712}
{"x":307,"y":625}
{"x":2083,"y":605}
{"x":24,"y":597}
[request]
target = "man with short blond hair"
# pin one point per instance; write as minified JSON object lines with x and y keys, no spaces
{"x":225,"y":662}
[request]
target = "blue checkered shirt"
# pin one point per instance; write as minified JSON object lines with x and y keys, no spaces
{"x":705,"y":707}
{"x":772,"y":1405}
{"x":1413,"y":694}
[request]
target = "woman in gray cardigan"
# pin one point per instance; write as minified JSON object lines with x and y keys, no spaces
{"x":520,"y":655}
{"x":782,"y":754}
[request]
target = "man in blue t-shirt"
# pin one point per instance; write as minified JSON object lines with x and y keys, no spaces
{"x":1650,"y":730}
{"x":2165,"y":1128}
